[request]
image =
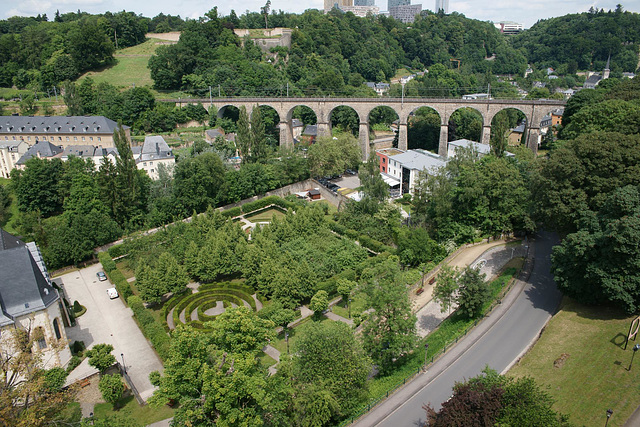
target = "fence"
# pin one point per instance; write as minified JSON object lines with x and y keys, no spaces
{"x":134,"y":390}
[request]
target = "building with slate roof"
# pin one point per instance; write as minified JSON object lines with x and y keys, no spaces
{"x":42,"y":150}
{"x":480,"y":148}
{"x":29,"y":300}
{"x":60,"y":130}
{"x":595,"y":78}
{"x":153,"y":153}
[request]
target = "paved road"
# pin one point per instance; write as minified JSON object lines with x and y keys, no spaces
{"x":498,"y":342}
{"x":110,"y":321}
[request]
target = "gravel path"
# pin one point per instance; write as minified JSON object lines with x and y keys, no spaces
{"x":170,"y":319}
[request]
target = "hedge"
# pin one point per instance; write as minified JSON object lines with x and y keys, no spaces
{"x":117,"y":250}
{"x":173,"y":301}
{"x":190,"y":304}
{"x":107,"y":263}
{"x":150,"y":327}
{"x":232,"y":212}
{"x":365,"y":241}
{"x":258,"y":204}
{"x":115,"y":276}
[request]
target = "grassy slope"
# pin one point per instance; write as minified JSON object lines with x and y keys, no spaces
{"x":594,"y":376}
{"x":143,"y":415}
{"x":131,"y":67}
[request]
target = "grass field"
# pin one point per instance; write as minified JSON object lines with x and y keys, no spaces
{"x":143,"y":415}
{"x":587,"y":343}
{"x":265,"y":216}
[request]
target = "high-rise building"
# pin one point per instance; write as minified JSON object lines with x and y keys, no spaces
{"x":396,"y":3}
{"x":364,"y":2}
{"x":442,"y":5}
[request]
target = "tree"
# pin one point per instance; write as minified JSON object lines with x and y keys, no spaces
{"x":100,"y":356}
{"x":319,"y":302}
{"x":329,"y":356}
{"x":446,"y":287}
{"x":243,"y":135}
{"x":264,"y":10}
{"x":36,"y":187}
{"x":239,"y":330}
{"x":279,"y":315}
{"x":492,"y":399}
{"x":599,"y":262}
{"x":111,"y":388}
{"x":415,"y":247}
{"x":213,"y":386}
{"x":198,"y":181}
{"x":30,"y":395}
{"x":472,"y":293}
{"x":499,"y":134}
{"x":333,"y":155}
{"x":374,"y":190}
{"x":389,"y":334}
{"x":131,"y":184}
{"x":28,"y":106}
{"x":5,"y":202}
{"x":581,"y":175}
{"x":345,"y":288}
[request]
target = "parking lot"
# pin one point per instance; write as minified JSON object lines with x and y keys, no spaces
{"x":110,"y":321}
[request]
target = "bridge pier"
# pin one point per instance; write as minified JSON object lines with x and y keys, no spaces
{"x":364,"y":140}
{"x":443,"y":143}
{"x":402,"y":137}
{"x":286,"y":135}
{"x":532,"y":140}
{"x":486,"y":134}
{"x":324,"y":129}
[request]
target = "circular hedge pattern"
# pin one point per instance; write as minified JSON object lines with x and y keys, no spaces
{"x":191,"y":308}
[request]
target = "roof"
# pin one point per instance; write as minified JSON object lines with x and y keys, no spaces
{"x":389,"y":151}
{"x":23,"y":285}
{"x":593,"y":80}
{"x":417,"y":160}
{"x":80,"y":150}
{"x":155,"y":148}
{"x":296,"y":123}
{"x":57,"y":124}
{"x":518,"y":129}
{"x":311,"y":130}
{"x":477,"y":146}
{"x":40,"y":149}
{"x":214,"y":133}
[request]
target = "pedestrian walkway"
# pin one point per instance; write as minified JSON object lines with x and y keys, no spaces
{"x":331,"y":315}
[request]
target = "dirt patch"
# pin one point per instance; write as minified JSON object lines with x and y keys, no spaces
{"x":90,"y":393}
{"x":559,"y":362}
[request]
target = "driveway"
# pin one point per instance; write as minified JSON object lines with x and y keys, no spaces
{"x":111,"y":322}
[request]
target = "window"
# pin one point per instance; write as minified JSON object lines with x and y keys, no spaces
{"x":39,"y":336}
{"x":384,"y":169}
{"x":44,"y":138}
{"x":56,"y":328}
{"x":75,"y":138}
{"x":59,"y":138}
{"x":28,"y":138}
{"x":99,"y":139}
{"x":150,"y":163}
{"x":90,"y":138}
{"x":67,"y":138}
{"x":83,"y":138}
{"x":144,"y":164}
{"x":384,"y":160}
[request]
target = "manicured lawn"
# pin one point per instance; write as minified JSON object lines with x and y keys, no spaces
{"x":281,"y":345}
{"x":128,"y":70}
{"x":266,"y":360}
{"x":358,"y":305}
{"x":142,"y":414}
{"x":593,"y":376}
{"x":265,"y":216}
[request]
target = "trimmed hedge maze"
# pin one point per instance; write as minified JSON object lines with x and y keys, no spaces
{"x":191,"y":308}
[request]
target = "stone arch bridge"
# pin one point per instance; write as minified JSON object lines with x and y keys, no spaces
{"x":534,"y":110}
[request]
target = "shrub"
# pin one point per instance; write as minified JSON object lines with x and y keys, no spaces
{"x":100,"y":356}
{"x":232,"y":212}
{"x":112,"y":388}
{"x":121,"y":284}
{"x":117,"y":250}
{"x":151,"y":329}
{"x":78,"y":347}
{"x":54,"y":378}
{"x":107,"y":263}
{"x":74,"y":362}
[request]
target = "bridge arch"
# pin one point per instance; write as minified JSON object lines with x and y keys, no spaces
{"x":424,"y":129}
{"x":271,"y":119}
{"x":465,"y":123}
{"x":381,"y":119}
{"x":289,"y":133}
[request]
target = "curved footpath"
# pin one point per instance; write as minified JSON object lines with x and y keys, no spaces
{"x":498,"y":341}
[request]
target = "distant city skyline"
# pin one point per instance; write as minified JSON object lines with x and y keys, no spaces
{"x":525,"y":12}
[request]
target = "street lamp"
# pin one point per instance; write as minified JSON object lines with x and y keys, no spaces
{"x":349,"y":305}
{"x":286,"y":339}
{"x":609,"y":413}
{"x":123,"y":365}
{"x":635,"y":350}
{"x":426,"y":349}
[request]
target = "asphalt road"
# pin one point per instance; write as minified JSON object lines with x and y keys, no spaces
{"x":497,"y":342}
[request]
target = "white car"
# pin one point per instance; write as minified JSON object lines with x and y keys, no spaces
{"x":112,"y":292}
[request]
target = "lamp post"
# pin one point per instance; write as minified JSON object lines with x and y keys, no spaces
{"x":635,"y":350}
{"x":286,"y":339}
{"x":123,"y":365}
{"x":349,"y":305}
{"x":426,"y":350}
{"x":609,"y":413}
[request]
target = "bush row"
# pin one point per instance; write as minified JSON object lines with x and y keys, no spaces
{"x":117,"y":250}
{"x":258,"y":204}
{"x":151,"y":329}
{"x":190,"y":304}
{"x":172,"y":302}
{"x":364,"y":240}
{"x":228,"y":285}
{"x":115,"y":276}
{"x":226,"y":302}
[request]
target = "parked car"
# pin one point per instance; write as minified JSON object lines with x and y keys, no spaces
{"x":101,"y":276}
{"x":113,"y":293}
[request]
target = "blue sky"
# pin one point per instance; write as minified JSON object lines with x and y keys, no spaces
{"x":526,"y":12}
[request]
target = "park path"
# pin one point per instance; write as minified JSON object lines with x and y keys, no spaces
{"x":331,"y":315}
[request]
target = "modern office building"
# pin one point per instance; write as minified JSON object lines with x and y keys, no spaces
{"x":364,"y":2}
{"x":330,"y":4}
{"x":509,"y":27}
{"x":442,"y":5}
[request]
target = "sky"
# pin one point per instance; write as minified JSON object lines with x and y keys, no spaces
{"x":521,"y":11}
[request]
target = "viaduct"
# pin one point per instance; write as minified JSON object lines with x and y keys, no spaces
{"x":534,"y":110}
